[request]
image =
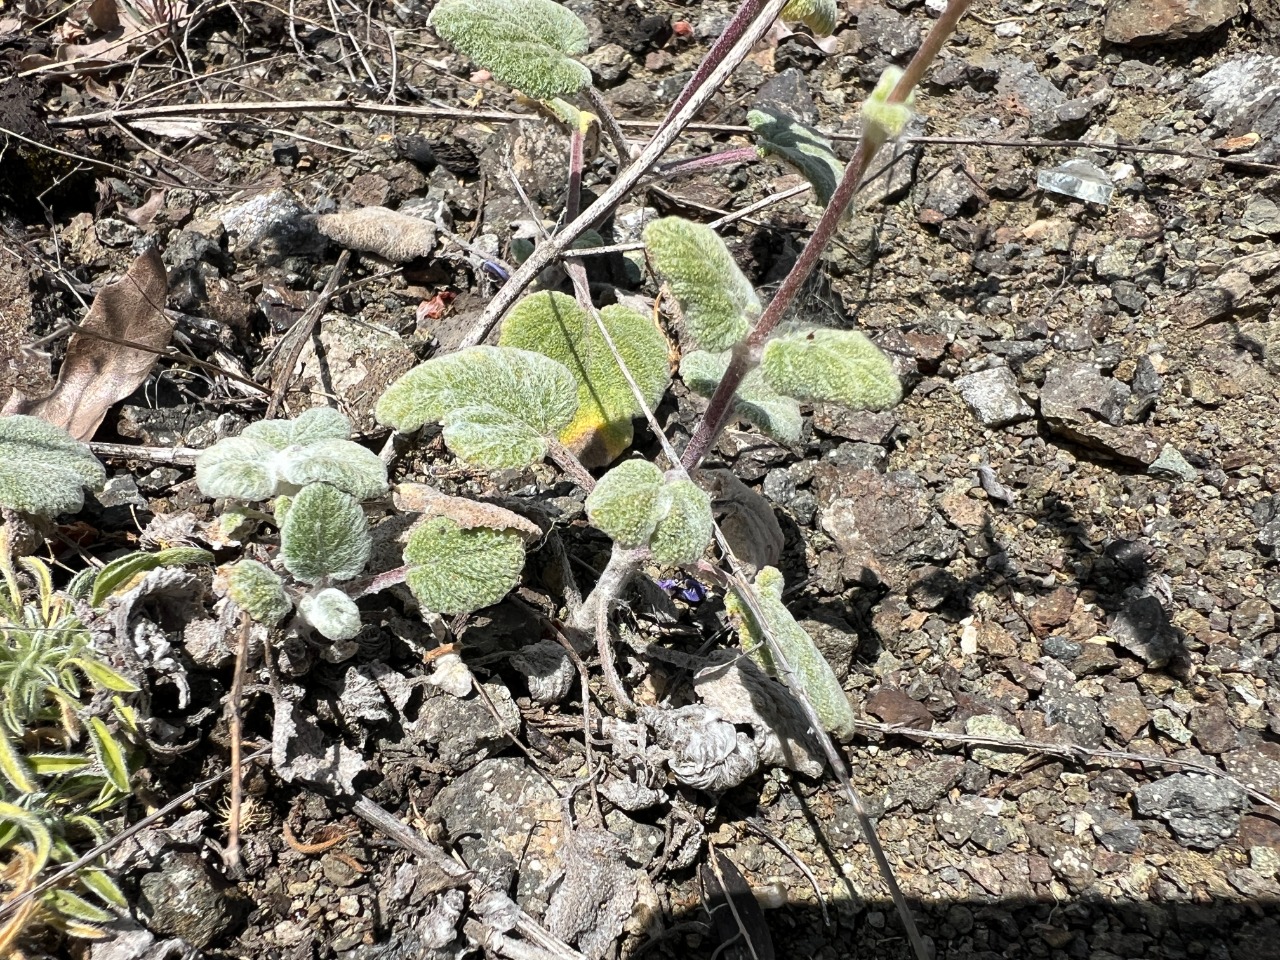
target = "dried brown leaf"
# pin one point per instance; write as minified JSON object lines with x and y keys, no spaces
{"x":98,"y":372}
{"x":468,"y":514}
{"x":104,"y":14}
{"x":393,"y":236}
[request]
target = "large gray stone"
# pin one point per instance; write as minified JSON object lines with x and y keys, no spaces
{"x":993,"y":397}
{"x":1140,"y":22}
{"x":1202,"y":811}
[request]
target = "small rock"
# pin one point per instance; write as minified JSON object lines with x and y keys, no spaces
{"x":1202,"y":811}
{"x":926,"y":786}
{"x":1142,"y":628}
{"x":1080,"y":404}
{"x":1117,"y":833}
{"x":788,"y":93}
{"x":993,"y":397}
{"x":1261,"y":216}
{"x":995,"y":758}
{"x":272,"y":226}
{"x":1242,"y":95}
{"x":185,"y":899}
{"x":1172,"y":465}
{"x":1139,"y":22}
{"x":1252,"y":619}
{"x":1125,"y":714}
{"x":1078,"y":179}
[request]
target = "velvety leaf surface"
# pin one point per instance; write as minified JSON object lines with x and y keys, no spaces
{"x":325,"y":535}
{"x":756,"y":402}
{"x":43,"y":470}
{"x":624,"y":503}
{"x":332,"y":613}
{"x":555,"y":325}
{"x":717,"y":301}
{"x":812,"y":671}
{"x":520,"y":397}
{"x":801,"y":146}
{"x":456,"y":571}
{"x":818,"y":15}
{"x":835,"y":366}
{"x":258,"y":590}
{"x":528,"y":44}
{"x":684,"y":526}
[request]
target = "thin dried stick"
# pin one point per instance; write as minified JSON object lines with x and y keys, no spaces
{"x":298,"y":335}
{"x":231,"y":855}
{"x":1072,"y":750}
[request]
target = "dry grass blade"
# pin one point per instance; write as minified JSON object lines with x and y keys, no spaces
{"x":99,"y":370}
{"x":737,"y":918}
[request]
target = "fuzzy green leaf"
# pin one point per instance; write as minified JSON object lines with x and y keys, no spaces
{"x":54,"y":764}
{"x":332,"y":613}
{"x":102,"y":675}
{"x":455,"y":570}
{"x":325,"y":536}
{"x":109,"y":754}
{"x":684,"y":528}
{"x":317,"y":425}
{"x":33,"y":827}
{"x":97,"y":882}
{"x":523,"y":398}
{"x":717,"y":301}
{"x":756,"y":402}
{"x":624,"y":503}
{"x":811,"y":669}
{"x":68,"y":906}
{"x":554,"y":325}
{"x":258,"y":590}
{"x":242,"y":468}
{"x":13,"y":767}
{"x":833,"y":366}
{"x":881,"y":116}
{"x":122,"y":570}
{"x":818,"y":15}
{"x":801,"y":146}
{"x":43,"y":470}
{"x":340,"y":463}
{"x":528,"y":44}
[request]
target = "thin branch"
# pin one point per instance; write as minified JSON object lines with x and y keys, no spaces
{"x":612,"y":129}
{"x":293,"y":342}
{"x":231,"y":855}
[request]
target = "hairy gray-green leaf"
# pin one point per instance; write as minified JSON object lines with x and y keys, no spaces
{"x":242,"y":468}
{"x":684,"y":525}
{"x":455,"y":570}
{"x":259,"y":591}
{"x":812,"y":672}
{"x":624,"y":503}
{"x":555,"y":325}
{"x":325,"y":535}
{"x":835,"y":366}
{"x":818,"y":15}
{"x":756,"y":402}
{"x":528,"y":44}
{"x":520,"y":398}
{"x":716,"y":300}
{"x":801,"y":146}
{"x":332,"y":613}
{"x":340,"y":463}
{"x":43,"y":470}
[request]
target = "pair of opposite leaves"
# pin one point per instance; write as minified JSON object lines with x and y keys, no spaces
{"x":554,"y":379}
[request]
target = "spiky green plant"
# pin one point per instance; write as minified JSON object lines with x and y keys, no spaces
{"x":63,"y":764}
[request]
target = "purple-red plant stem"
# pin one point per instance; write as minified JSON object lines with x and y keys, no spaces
{"x":721,"y":405}
{"x":573,"y":199}
{"x":719,"y":47}
{"x":683,"y":168}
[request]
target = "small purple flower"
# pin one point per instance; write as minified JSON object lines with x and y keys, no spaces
{"x":686,"y":588}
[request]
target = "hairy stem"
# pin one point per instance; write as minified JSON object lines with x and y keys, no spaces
{"x":873,"y":138}
{"x":366,"y":586}
{"x":565,"y":459}
{"x":724,"y":158}
{"x":548,"y":252}
{"x":622,"y":566}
